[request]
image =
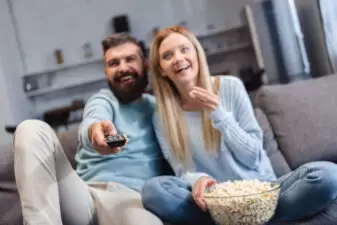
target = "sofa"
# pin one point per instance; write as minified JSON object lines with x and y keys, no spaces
{"x":299,"y":121}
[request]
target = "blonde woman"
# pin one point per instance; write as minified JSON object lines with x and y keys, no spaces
{"x":208,"y":133}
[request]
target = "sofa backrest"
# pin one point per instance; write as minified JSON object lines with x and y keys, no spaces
{"x":303,"y":117}
{"x":69,"y":140}
{"x":280,"y":165}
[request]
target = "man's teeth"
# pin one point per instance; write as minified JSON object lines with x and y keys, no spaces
{"x":126,"y":78}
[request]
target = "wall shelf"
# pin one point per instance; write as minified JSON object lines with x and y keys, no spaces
{"x":233,"y":48}
{"x":215,"y":32}
{"x":51,"y":89}
{"x":64,"y":67}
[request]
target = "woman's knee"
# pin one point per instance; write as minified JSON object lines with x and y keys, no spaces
{"x":157,"y":190}
{"x":325,"y":173}
{"x":165,"y":195}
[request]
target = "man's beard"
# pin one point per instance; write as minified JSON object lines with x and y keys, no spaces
{"x":129,"y":94}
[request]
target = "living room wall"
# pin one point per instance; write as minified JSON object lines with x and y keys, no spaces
{"x":14,"y":106}
{"x":29,"y":35}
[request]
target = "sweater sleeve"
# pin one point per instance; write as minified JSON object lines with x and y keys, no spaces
{"x":240,"y":131}
{"x":96,"y":109}
{"x":188,"y":175}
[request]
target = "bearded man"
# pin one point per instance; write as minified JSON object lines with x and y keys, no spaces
{"x":104,"y":188}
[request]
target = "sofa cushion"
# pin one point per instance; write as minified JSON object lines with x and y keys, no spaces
{"x":303,"y":118}
{"x":278,"y":162}
{"x":69,"y":140}
{"x":10,"y":207}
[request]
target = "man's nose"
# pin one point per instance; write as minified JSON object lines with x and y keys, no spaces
{"x":123,"y":66}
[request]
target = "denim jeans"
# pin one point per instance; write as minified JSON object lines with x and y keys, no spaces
{"x":304,"y":192}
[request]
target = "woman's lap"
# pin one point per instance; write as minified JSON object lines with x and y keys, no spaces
{"x":171,"y":200}
{"x":304,"y":192}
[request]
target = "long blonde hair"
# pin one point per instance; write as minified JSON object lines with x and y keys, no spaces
{"x":169,"y":108}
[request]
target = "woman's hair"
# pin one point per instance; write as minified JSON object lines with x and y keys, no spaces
{"x":169,"y":108}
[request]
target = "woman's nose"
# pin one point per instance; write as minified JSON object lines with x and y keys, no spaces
{"x":177,"y":57}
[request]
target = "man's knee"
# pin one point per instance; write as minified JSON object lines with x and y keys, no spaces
{"x":30,"y":131}
{"x":135,"y":216}
{"x":31,"y":126}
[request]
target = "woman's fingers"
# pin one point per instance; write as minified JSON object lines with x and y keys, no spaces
{"x":199,"y":190}
{"x":205,"y":100}
{"x":203,"y":96}
{"x":203,"y":90}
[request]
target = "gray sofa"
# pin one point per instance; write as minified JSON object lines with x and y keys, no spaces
{"x":299,"y":121}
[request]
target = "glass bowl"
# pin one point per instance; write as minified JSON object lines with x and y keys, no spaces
{"x":250,"y":209}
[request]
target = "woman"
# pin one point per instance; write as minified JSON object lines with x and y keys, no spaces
{"x":208,"y":133}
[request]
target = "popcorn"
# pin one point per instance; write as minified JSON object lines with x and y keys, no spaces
{"x":244,"y":202}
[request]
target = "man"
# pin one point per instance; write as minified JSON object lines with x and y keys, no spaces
{"x":105,"y":189}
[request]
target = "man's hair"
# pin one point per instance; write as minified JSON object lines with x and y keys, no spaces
{"x":115,"y":40}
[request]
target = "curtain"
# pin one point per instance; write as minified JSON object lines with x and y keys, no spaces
{"x":329,"y":20}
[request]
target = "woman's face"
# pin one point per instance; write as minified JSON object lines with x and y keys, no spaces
{"x":178,"y":59}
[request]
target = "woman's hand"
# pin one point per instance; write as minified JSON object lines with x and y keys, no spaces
{"x":204,"y":98}
{"x":198,"y":191}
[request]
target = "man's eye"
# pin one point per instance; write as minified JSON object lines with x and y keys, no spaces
{"x":130,"y":59}
{"x":113,"y":63}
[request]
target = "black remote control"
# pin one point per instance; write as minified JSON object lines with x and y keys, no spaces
{"x":117,"y":140}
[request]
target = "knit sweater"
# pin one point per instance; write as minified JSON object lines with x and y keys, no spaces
{"x":139,"y":160}
{"x":240,"y":154}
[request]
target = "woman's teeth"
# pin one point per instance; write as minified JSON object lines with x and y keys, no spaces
{"x":182,"y":68}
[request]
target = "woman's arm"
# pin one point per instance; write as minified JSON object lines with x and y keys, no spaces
{"x":240,"y":132}
{"x":187,"y":175}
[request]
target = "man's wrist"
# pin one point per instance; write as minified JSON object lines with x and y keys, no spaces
{"x":90,"y":128}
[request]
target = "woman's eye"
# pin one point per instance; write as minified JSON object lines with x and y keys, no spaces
{"x":184,"y":49}
{"x":167,"y":55}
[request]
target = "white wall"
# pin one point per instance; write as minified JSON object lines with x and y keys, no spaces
{"x":13,"y":103}
{"x":43,"y":26}
{"x":46,"y":25}
{"x":6,"y":116}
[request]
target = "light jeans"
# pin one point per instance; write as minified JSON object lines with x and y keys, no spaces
{"x":304,"y":193}
{"x":51,"y":192}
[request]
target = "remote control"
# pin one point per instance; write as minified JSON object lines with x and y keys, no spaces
{"x":117,"y":140}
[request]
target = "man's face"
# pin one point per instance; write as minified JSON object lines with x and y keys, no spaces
{"x":126,"y":72}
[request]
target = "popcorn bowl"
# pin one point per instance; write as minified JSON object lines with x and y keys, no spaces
{"x":248,"y":202}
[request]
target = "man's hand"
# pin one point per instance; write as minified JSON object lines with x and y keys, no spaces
{"x":204,"y":98}
{"x":97,"y":132}
{"x":198,"y":191}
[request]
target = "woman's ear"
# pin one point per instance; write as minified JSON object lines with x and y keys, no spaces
{"x":146,"y":64}
{"x":161,"y":71}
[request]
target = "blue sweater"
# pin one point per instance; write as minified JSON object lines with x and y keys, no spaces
{"x":139,"y":160}
{"x":240,"y":154}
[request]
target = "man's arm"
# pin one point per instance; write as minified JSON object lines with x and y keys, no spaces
{"x":96,"y":110}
